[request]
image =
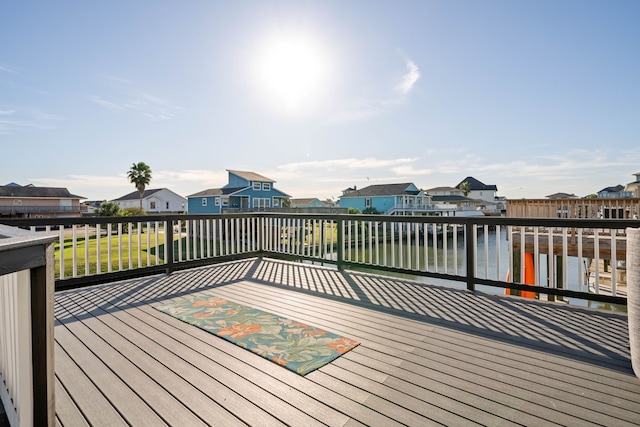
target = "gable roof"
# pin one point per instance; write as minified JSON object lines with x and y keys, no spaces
{"x":37,"y":192}
{"x":475,"y":185}
{"x":450,"y":198}
{"x":383,"y":190}
{"x":250,"y":176}
{"x":616,"y":189}
{"x":136,"y":195}
{"x":216,"y":192}
{"x":562,"y":196}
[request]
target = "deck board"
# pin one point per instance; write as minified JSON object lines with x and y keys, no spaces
{"x":428,"y":356}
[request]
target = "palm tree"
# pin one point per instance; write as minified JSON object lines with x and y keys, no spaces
{"x":140,"y":175}
{"x":465,"y":187}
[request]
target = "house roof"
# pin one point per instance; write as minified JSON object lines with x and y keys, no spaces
{"x":37,"y":192}
{"x":474,"y":185}
{"x":615,"y":189}
{"x":442,"y":189}
{"x":136,"y":195}
{"x":250,"y":176}
{"x":561,"y":196}
{"x":383,"y":190}
{"x":450,"y":198}
{"x":305,"y":201}
{"x":217,"y":192}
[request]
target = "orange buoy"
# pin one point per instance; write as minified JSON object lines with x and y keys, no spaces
{"x":529,"y":277}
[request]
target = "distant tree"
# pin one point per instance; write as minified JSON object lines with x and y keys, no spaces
{"x":108,"y":209}
{"x":132,"y":212}
{"x":140,"y":176}
{"x":591,"y":196}
{"x":465,"y":187}
{"x":354,"y":211}
{"x":371,"y":211}
{"x":286,"y":203}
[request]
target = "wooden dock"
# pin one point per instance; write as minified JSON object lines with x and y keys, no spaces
{"x":429,"y":355}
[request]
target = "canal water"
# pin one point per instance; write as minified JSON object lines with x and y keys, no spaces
{"x":450,"y":259}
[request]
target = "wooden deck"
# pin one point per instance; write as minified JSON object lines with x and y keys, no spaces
{"x":429,"y":355}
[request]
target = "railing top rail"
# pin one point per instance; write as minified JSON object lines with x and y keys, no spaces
{"x":15,"y":238}
{"x":480,"y":220}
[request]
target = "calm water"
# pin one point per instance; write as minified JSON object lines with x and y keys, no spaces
{"x":452,"y":261}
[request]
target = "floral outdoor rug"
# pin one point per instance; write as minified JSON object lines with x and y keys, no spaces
{"x":294,"y":345}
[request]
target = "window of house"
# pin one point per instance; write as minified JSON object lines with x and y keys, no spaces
{"x":217,"y":201}
{"x":257,"y":186}
{"x":261,"y":203}
{"x":275,"y":202}
{"x":17,"y":202}
{"x":225,"y":201}
{"x":266,"y":186}
{"x":204,"y":201}
{"x":167,"y":206}
{"x":152,"y":205}
{"x":367,"y":202}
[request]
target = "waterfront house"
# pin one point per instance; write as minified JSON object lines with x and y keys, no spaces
{"x":29,"y":201}
{"x":310,"y":202}
{"x":634,"y":187}
{"x":245,"y":191}
{"x":160,"y":200}
{"x":559,"y":196}
{"x":390,"y":199}
{"x":614,"y":192}
{"x":479,"y":190}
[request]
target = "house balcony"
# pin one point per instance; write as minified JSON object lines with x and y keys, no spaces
{"x":441,"y":343}
{"x":25,"y":210}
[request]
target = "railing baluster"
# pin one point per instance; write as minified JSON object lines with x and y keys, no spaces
{"x":119,"y":246}
{"x":416,"y":232}
{"x":393,"y":243}
{"x":614,"y":264}
{"x":455,"y":249}
{"x":87,"y":268}
{"x":434,"y":235}
{"x":98,"y":243}
{"x":74,"y":251}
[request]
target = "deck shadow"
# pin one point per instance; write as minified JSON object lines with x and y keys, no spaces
{"x":591,"y":336}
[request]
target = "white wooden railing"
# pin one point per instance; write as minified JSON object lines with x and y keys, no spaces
{"x":586,"y":259}
{"x":26,"y":327}
{"x":15,"y":350}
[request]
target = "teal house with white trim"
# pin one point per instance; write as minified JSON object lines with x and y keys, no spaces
{"x":245,"y":191}
{"x":389,"y":199}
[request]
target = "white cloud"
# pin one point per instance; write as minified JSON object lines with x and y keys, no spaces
{"x":18,"y":121}
{"x":7,"y":70}
{"x":410,"y":78}
{"x":127,"y":100}
{"x":367,"y":108}
{"x":142,"y":103}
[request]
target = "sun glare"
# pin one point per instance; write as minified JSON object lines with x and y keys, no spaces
{"x":291,"y":72}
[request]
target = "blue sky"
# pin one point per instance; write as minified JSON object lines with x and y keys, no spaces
{"x":536,"y":97}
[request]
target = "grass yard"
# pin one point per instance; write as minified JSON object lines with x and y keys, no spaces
{"x":123,"y":249}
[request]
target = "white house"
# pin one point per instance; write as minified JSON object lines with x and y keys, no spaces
{"x":161,"y":200}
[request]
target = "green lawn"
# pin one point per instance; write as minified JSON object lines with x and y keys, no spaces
{"x":89,"y":249}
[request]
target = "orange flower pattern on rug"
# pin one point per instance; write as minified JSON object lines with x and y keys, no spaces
{"x":295,"y":345}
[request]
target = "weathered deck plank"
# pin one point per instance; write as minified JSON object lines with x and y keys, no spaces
{"x":428,"y":356}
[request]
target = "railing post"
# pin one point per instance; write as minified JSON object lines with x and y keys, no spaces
{"x":168,"y":244}
{"x":471,"y":255}
{"x":340,"y":224}
{"x":633,"y":296}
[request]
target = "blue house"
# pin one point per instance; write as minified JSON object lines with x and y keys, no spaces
{"x":390,"y":199}
{"x":615,"y":192}
{"x":246,"y":191}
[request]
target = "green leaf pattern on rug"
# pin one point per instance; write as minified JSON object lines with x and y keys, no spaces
{"x":297,"y":346}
